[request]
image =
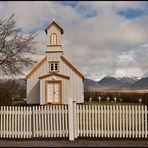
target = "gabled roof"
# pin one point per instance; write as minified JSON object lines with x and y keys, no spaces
{"x":54,"y":23}
{"x":54,"y":74}
{"x":72,"y":67}
{"x":42,"y":61}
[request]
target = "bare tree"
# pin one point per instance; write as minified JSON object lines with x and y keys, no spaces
{"x":12,"y":87}
{"x":5,"y":98}
{"x":16,"y":48}
{"x":12,"y":90}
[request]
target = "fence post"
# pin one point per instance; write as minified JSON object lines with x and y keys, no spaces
{"x":33,"y":122}
{"x":75,"y":119}
{"x":71,"y":119}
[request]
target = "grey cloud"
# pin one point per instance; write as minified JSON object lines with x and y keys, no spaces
{"x":94,"y":45}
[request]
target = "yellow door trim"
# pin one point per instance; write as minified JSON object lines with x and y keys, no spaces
{"x":46,"y":91}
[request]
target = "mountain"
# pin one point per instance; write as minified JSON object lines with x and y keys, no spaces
{"x":105,"y":84}
{"x":128,"y":81}
{"x":91,"y":85}
{"x":116,"y":84}
{"x":110,"y":82}
{"x":140,"y":84}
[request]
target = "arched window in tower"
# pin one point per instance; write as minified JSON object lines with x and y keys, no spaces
{"x":53,"y":39}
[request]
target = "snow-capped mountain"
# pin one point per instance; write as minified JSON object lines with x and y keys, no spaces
{"x":116,"y":84}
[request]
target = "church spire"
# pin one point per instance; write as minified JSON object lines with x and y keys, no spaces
{"x":54,"y":36}
{"x":54,"y":33}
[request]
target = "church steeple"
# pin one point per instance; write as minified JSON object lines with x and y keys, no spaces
{"x":54,"y":32}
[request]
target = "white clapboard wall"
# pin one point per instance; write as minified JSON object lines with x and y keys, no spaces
{"x":119,"y":121}
{"x":36,"y":121}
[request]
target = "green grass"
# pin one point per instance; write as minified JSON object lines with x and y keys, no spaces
{"x":18,"y":103}
{"x":110,"y":103}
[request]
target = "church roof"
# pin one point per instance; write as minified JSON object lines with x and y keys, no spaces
{"x":72,"y":67}
{"x":54,"y":23}
{"x":44,"y":59}
{"x":40,"y":63}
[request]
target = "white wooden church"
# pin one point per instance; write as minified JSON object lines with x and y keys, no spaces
{"x":54,"y":79}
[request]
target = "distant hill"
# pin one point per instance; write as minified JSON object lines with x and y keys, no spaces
{"x":105,"y":84}
{"x":127,"y":80}
{"x":140,"y":84}
{"x":116,"y":84}
{"x":110,"y":81}
{"x":91,"y":85}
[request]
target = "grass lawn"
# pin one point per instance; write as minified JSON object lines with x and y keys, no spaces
{"x":110,"y":103}
{"x":18,"y":103}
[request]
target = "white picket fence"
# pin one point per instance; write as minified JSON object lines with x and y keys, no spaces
{"x":50,"y":121}
{"x":74,"y":120}
{"x":36,"y":121}
{"x":127,"y":121}
{"x":15,"y":122}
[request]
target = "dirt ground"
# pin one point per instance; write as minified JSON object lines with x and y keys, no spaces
{"x":75,"y":143}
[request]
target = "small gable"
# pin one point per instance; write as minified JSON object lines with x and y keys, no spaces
{"x":54,"y":23}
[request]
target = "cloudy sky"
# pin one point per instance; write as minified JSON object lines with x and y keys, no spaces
{"x":100,"y":38}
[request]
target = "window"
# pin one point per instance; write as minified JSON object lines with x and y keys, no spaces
{"x":56,"y":66}
{"x":53,"y":39}
{"x":53,"y":66}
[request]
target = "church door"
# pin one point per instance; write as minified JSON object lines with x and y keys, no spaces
{"x":53,"y":92}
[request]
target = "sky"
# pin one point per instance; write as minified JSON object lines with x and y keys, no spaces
{"x":100,"y":38}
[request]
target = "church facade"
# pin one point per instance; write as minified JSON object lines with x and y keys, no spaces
{"x":54,"y":80}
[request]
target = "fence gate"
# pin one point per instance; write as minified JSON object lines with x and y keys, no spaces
{"x":50,"y":121}
{"x":123,"y":121}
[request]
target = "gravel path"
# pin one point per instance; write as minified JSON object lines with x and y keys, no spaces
{"x":75,"y":143}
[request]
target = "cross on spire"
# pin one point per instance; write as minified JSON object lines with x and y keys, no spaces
{"x":53,"y":13}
